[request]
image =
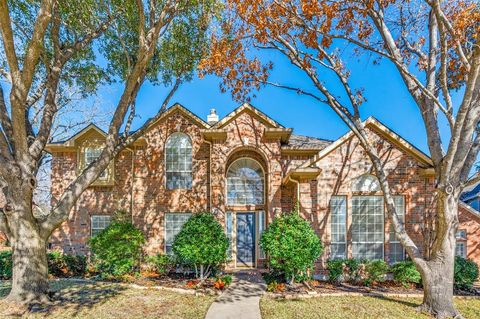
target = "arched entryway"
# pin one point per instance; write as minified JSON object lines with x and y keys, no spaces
{"x":245,"y":202}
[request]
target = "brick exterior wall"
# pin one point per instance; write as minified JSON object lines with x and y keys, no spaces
{"x":139,"y":183}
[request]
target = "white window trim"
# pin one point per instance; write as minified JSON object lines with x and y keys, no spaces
{"x":91,"y":223}
{"x":103,"y":175}
{"x":165,"y":160}
{"x":464,"y":244}
{"x":383,"y":224}
{"x":403,"y":214}
{"x":264,"y":178}
{"x":345,"y":198}
{"x":165,"y":227}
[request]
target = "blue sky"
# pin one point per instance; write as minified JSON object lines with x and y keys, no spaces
{"x":387,"y":100}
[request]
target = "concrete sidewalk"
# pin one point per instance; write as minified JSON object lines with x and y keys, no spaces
{"x":241,"y":300}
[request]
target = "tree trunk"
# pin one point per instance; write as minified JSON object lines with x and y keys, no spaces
{"x":438,"y":289}
{"x":30,"y":268}
{"x":438,"y":272}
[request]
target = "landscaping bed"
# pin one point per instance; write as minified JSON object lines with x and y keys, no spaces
{"x":386,"y":288}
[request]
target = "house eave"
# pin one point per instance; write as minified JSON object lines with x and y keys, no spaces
{"x":282,"y":134}
{"x":302,"y":173}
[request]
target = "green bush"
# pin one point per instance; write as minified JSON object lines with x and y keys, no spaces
{"x":6,"y":264}
{"x":375,"y":271}
{"x":201,"y":244}
{"x":335,"y":269}
{"x":117,"y":250}
{"x":63,"y":265}
{"x":406,"y":273}
{"x":161,"y":264}
{"x":291,"y":245}
{"x":466,"y":273}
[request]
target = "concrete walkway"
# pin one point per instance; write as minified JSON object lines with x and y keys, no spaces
{"x":241,"y":300}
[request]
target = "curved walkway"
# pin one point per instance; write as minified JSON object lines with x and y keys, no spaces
{"x":241,"y":300}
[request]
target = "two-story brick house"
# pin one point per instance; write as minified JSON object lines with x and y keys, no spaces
{"x":246,"y":168}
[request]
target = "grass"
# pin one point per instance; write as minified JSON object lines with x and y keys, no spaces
{"x":109,"y":300}
{"x":355,"y":308}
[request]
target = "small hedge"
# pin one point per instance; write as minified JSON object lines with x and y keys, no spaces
{"x":406,"y":273}
{"x":160,"y":263}
{"x":365,"y":272}
{"x":63,"y":265}
{"x":5,"y":264}
{"x":117,"y":250}
{"x":292,"y":246}
{"x":466,"y":273}
{"x":59,"y":265}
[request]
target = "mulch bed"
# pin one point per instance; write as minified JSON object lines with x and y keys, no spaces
{"x":387,"y":288}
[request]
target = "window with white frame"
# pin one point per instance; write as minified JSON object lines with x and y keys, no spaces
{"x":261,"y":228}
{"x":461,"y":245}
{"x":99,"y":223}
{"x":245,"y":183}
{"x":367,"y":227}
{"x":178,"y":161}
{"x":396,"y":252}
{"x":91,"y":154}
{"x":173,"y":224}
{"x":338,"y":227}
{"x":229,"y":231}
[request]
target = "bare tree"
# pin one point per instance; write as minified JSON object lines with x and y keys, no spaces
{"x":434,"y":47}
{"x":49,"y":45}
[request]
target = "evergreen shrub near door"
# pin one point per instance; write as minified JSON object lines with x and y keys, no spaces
{"x":201,"y":244}
{"x":291,"y":246}
{"x":117,"y":250}
{"x":466,"y":273}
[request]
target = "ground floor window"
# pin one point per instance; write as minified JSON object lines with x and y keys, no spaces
{"x":367,"y":227}
{"x":173,"y":224}
{"x":461,"y":245}
{"x":396,"y":252}
{"x":99,"y":223}
{"x":338,"y":227}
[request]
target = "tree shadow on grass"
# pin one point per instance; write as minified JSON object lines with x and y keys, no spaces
{"x":71,"y":296}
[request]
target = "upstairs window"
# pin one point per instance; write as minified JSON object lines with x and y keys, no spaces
{"x":245,"y":183}
{"x":178,"y":161}
{"x":91,"y":154}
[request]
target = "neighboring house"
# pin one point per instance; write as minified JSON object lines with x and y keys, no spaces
{"x":246,"y":169}
{"x":471,"y":195}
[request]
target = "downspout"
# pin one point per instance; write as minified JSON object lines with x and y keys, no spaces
{"x":132,"y":183}
{"x":209,"y":176}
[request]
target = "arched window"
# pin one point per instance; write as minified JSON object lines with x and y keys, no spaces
{"x":366,"y":183}
{"x":178,"y":161}
{"x":245,"y":183}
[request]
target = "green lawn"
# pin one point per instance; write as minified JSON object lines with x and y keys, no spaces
{"x":101,"y":300}
{"x":354,"y":308}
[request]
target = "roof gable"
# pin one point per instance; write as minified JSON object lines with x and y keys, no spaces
{"x":383,"y":132}
{"x":180,"y":108}
{"x":246,"y":107}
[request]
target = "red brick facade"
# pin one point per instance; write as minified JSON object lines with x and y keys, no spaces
{"x":309,"y":171}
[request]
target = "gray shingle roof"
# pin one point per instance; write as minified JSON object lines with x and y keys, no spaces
{"x":306,"y":142}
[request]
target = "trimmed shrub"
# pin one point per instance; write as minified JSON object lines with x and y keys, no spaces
{"x":117,"y":250}
{"x":6,"y":264}
{"x":291,"y":245}
{"x":406,"y":273}
{"x":335,"y":270}
{"x":375,"y":271}
{"x":161,"y":264}
{"x":201,"y":244}
{"x":63,"y":265}
{"x":466,"y":273}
